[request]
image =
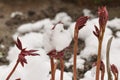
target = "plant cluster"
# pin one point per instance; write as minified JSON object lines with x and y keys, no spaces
{"x":56,"y":56}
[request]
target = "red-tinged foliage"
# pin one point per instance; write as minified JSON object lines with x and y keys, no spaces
{"x":103,"y":16}
{"x":52,"y":53}
{"x":18,"y":44}
{"x":55,"y":54}
{"x":18,"y":79}
{"x":96,"y":32}
{"x":60,"y":54}
{"x":81,"y":22}
{"x":24,"y":52}
{"x":114,"y":69}
{"x":56,"y":24}
{"x":99,"y":33}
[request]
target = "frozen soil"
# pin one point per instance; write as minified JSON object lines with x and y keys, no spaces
{"x":38,"y":10}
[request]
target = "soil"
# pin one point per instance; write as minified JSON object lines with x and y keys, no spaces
{"x":42,"y":9}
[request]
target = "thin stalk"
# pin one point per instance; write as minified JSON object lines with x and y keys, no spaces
{"x":108,"y":60}
{"x":75,"y":53}
{"x":100,"y":39}
{"x":102,"y":75}
{"x":62,"y":68}
{"x":55,"y":67}
{"x":98,"y":60}
{"x":52,"y":69}
{"x":116,"y":77}
{"x":10,"y":74}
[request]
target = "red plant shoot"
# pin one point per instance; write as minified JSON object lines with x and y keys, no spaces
{"x":52,"y":54}
{"x":21,"y":58}
{"x":114,"y":71}
{"x":59,"y":56}
{"x":99,"y":33}
{"x":79,"y":24}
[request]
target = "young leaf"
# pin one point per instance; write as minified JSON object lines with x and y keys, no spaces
{"x":81,"y":22}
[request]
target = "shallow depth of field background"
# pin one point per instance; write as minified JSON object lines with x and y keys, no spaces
{"x":31,"y":11}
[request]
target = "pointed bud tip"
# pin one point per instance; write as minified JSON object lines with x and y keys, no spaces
{"x":81,"y":21}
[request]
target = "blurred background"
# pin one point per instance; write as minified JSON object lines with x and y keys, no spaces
{"x":34,"y":10}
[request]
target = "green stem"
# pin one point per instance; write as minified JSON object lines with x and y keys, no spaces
{"x":10,"y":74}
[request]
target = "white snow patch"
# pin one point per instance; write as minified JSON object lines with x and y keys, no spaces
{"x":13,"y":14}
{"x":87,"y":12}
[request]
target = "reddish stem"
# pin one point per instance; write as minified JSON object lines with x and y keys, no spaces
{"x":100,"y":39}
{"x":62,"y":68}
{"x":116,"y":76}
{"x":52,"y":69}
{"x":98,"y":60}
{"x":55,"y":67}
{"x":10,"y":74}
{"x":102,"y":75}
{"x":75,"y":53}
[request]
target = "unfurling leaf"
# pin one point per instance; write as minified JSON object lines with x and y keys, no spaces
{"x":81,"y":22}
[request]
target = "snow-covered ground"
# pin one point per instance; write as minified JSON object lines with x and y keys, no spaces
{"x":40,"y":36}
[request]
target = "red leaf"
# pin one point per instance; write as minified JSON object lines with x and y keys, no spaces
{"x":96,"y":29}
{"x":52,"y":53}
{"x":22,"y":59}
{"x":32,"y":51}
{"x":103,"y":16}
{"x":34,"y":54}
{"x":95,"y":34}
{"x":18,"y":44}
{"x":60,"y":54}
{"x":114,"y":69}
{"x":81,"y":22}
{"x":24,"y":52}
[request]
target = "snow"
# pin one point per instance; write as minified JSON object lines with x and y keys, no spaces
{"x":58,"y":39}
{"x":67,"y":76}
{"x":40,"y":36}
{"x":87,"y":12}
{"x":114,"y":23}
{"x":118,"y":34}
{"x":63,"y":17}
{"x":80,"y":62}
{"x":2,"y":46}
{"x":13,"y":14}
{"x":35,"y":27}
